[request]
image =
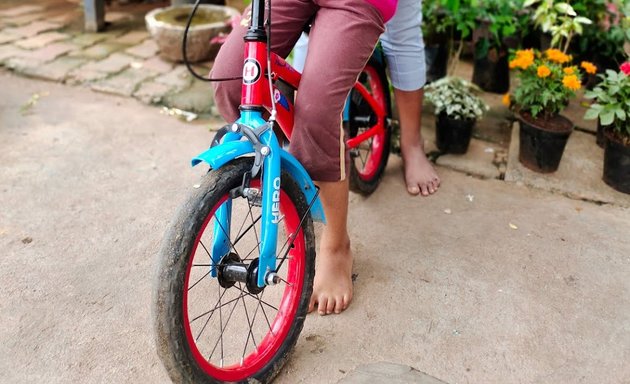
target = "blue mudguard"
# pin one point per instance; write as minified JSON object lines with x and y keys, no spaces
{"x":220,"y":155}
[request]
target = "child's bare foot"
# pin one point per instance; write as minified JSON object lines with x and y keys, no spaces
{"x":332,"y":288}
{"x":420,"y":176}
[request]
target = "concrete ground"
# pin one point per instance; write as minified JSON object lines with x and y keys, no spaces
{"x":484,"y":282}
{"x":503,"y":276}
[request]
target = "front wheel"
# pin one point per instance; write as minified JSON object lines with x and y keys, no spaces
{"x":369,"y":129}
{"x":210,"y":328}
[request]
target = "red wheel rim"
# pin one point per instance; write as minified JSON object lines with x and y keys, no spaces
{"x":280,"y":326}
{"x":375,"y":152}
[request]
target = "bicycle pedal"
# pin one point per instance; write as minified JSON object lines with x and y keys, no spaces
{"x":354,"y":152}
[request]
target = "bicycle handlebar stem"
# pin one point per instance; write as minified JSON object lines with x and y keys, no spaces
{"x":256,"y":31}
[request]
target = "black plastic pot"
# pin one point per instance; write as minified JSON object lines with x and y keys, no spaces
{"x":491,"y":71}
{"x":436,"y":59}
{"x":541,"y":149}
{"x":599,"y":137}
{"x":616,"y":164}
{"x":453,"y":135}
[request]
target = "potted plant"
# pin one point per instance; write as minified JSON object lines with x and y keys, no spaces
{"x":559,"y":20}
{"x":457,"y":108}
{"x":603,"y":42}
{"x":548,"y":80}
{"x":499,"y":27}
{"x":612,"y":109}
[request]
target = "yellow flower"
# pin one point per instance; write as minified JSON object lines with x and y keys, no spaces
{"x":543,"y":71}
{"x":572,"y":82}
{"x":568,"y":70}
{"x":557,"y":56}
{"x":506,"y":100}
{"x":589,"y":67}
{"x":524,"y":58}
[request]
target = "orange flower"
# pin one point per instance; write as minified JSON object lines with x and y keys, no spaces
{"x":543,"y":71}
{"x":557,"y":56}
{"x":506,"y":100}
{"x":568,"y":70}
{"x":572,"y":82}
{"x":524,"y":58}
{"x":588,"y":67}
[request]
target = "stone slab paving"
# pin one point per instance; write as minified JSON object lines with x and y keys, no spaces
{"x":146,"y":50}
{"x":157,"y":64}
{"x":9,"y":51}
{"x":57,"y":70}
{"x":33,"y":28}
{"x":6,"y":37}
{"x":20,"y":10}
{"x":152,"y":92}
{"x":23,"y":19}
{"x":133,"y":37}
{"x":99,"y":51}
{"x":198,"y":98}
{"x":179,"y":78}
{"x":388,"y":373}
{"x":112,"y":64}
{"x":579,"y":175}
{"x":41,"y":40}
{"x":51,"y":51}
{"x":89,"y":39}
{"x":124,"y":83}
{"x":478,"y":161}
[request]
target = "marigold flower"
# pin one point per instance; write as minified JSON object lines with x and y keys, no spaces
{"x":524,"y":58}
{"x":557,"y":56}
{"x":589,"y":67}
{"x":568,"y":70}
{"x":543,"y":71}
{"x":506,"y":100}
{"x":625,"y":67}
{"x":572,"y":82}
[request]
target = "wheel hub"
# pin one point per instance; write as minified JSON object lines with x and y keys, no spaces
{"x":231,"y":270}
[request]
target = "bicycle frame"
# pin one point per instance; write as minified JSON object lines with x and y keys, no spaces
{"x":263,"y":143}
{"x":257,"y":91}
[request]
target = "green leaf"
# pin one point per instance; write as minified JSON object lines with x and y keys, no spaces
{"x":621,"y":114}
{"x":583,"y":20}
{"x":591,"y":114}
{"x":607,"y":117}
{"x":565,"y":8}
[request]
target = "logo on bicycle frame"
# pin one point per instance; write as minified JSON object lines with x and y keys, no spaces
{"x":251,"y":71}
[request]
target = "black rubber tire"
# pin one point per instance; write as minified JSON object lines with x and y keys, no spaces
{"x":358,"y":183}
{"x":172,"y":345}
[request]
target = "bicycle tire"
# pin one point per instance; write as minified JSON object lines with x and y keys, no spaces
{"x":184,"y":348}
{"x":368,"y":161}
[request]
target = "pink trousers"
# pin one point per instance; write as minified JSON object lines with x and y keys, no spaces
{"x":342,"y":38}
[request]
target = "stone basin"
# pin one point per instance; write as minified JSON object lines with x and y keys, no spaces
{"x":166,"y":26}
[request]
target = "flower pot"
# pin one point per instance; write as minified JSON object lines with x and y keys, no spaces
{"x":599,"y":137}
{"x":542,"y":142}
{"x":491,"y":71}
{"x":453,"y":135}
{"x":616,"y":163}
{"x":167,"y":25}
{"x":436,"y":59}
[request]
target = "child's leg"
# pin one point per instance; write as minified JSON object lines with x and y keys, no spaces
{"x":420,"y":176}
{"x":404,"y":49}
{"x":341,"y":41}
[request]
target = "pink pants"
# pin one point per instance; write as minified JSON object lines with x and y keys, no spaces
{"x":342,"y":38}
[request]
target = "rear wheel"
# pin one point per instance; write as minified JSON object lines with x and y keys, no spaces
{"x":215,"y":329}
{"x":369,"y":156}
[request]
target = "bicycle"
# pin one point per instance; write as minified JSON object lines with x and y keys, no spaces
{"x":244,"y":238}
